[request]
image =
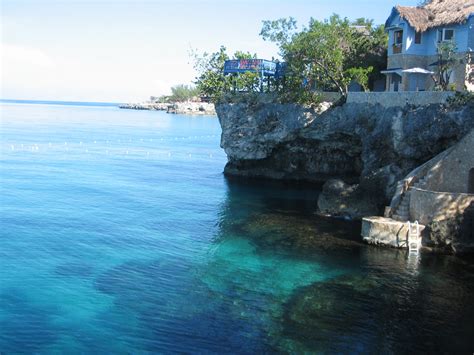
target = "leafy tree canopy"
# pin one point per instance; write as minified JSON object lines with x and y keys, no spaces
{"x":446,"y":62}
{"x":323,"y":56}
{"x":329,"y":54}
{"x":180,"y":93}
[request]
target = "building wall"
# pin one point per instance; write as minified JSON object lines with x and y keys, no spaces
{"x":427,"y":45}
{"x":470,"y":33}
{"x":423,"y":54}
{"x":411,"y":61}
{"x":429,"y":40}
{"x":464,"y":37}
{"x":397,"y":21}
{"x":458,"y":77}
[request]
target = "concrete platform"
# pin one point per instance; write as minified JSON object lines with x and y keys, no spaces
{"x":386,"y":231}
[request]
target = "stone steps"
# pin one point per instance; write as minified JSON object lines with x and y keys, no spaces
{"x":402,"y":213}
{"x":421,"y":184}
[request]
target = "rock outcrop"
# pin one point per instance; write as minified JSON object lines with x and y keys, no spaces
{"x":351,"y":201}
{"x":452,"y":235}
{"x":369,"y":146}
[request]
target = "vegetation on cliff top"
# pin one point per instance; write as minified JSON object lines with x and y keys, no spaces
{"x":212,"y":82}
{"x":324,"y":56}
{"x":328,"y":55}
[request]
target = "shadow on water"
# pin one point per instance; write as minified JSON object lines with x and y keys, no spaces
{"x":276,"y":214}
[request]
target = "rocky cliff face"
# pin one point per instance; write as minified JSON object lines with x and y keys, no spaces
{"x":370,"y":147}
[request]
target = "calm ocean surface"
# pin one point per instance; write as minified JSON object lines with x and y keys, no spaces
{"x":119,"y":234}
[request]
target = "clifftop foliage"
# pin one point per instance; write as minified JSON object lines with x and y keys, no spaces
{"x":212,"y":82}
{"x":326,"y":55}
{"x":461,"y":99}
{"x":329,"y":55}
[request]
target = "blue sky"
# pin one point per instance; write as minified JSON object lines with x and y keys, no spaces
{"x":123,"y":50}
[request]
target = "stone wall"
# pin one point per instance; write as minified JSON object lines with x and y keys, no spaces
{"x":427,"y":206}
{"x":386,"y":231}
{"x":451,"y":174}
{"x":399,"y":99}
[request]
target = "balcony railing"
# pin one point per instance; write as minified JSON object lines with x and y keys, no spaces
{"x":397,"y":48}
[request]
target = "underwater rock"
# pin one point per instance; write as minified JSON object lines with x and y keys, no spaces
{"x":74,"y":270}
{"x":166,"y":295}
{"x":330,"y":309}
{"x":300,"y":233}
{"x":346,"y":314}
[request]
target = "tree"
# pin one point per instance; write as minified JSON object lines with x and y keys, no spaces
{"x":180,"y":93}
{"x":248,"y":81}
{"x":329,"y":54}
{"x":369,"y":48}
{"x":212,"y":82}
{"x":280,"y":31}
{"x":160,"y":99}
{"x":446,"y":61}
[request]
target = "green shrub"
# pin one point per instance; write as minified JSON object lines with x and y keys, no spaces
{"x":460,"y":99}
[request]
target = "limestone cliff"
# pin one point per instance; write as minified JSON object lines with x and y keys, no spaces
{"x":370,"y":146}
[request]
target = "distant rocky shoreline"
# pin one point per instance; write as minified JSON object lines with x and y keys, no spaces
{"x":182,"y":108}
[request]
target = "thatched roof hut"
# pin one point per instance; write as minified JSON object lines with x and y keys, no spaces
{"x":437,"y":13}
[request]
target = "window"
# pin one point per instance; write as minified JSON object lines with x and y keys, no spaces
{"x":417,"y":37}
{"x":448,"y":35}
{"x":398,"y":37}
{"x":445,"y":34}
{"x":397,"y":41}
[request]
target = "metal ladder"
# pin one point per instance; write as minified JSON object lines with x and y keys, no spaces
{"x":414,"y":239}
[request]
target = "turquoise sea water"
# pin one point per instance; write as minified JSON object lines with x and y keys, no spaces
{"x":119,"y":234}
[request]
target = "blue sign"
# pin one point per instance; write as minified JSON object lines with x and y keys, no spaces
{"x":261,"y":66}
